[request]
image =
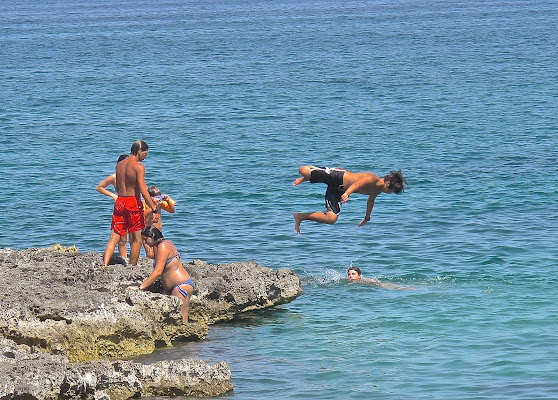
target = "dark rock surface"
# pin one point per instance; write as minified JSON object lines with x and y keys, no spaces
{"x":61,"y":312}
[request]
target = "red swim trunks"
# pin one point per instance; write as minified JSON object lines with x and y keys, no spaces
{"x":127,"y":215}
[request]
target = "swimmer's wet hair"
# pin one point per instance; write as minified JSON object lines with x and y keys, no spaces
{"x":357,"y":269}
{"x":122,"y":157}
{"x":152,"y":232}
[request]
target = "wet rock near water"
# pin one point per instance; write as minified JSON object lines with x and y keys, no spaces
{"x":59,"y":303}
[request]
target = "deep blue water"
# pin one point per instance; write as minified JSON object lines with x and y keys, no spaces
{"x":232,"y":97}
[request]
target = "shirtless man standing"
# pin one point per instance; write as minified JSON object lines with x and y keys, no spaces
{"x":340,"y":185}
{"x":128,"y":208}
{"x":102,"y":188}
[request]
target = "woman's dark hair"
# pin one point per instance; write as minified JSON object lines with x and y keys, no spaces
{"x":137,"y":146}
{"x":396,"y":181}
{"x":122,"y":157}
{"x":152,"y":232}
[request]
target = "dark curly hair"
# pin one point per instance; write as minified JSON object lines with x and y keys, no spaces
{"x":396,"y":181}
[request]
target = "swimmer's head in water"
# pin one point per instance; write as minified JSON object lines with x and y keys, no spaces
{"x":354,"y":273}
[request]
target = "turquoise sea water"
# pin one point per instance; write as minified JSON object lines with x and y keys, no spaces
{"x":233,"y":97}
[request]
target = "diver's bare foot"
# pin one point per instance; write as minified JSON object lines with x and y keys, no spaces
{"x":298,"y":220}
{"x":299,"y":181}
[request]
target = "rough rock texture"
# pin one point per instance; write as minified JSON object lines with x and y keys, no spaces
{"x":60,"y":301}
{"x":29,"y":374}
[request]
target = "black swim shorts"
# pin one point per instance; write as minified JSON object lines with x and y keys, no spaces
{"x":333,"y":178}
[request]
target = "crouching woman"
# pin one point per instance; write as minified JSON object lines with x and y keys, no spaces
{"x":168,"y":267}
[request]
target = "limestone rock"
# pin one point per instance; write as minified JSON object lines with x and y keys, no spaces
{"x":66,"y":304}
{"x":60,"y":311}
{"x":26,"y":373}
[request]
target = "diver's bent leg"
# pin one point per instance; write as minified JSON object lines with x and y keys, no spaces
{"x":328,"y":217}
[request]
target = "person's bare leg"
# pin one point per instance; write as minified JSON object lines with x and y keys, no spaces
{"x":185,"y":300}
{"x":184,"y":310}
{"x":305,"y":172}
{"x":109,"y":249}
{"x":321,"y":217}
{"x":122,"y":251}
{"x":135,"y":247}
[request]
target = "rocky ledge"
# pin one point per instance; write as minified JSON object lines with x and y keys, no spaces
{"x":65,"y":323}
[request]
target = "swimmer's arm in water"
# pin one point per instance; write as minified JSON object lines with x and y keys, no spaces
{"x":385,"y":285}
{"x":102,"y":186}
